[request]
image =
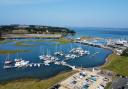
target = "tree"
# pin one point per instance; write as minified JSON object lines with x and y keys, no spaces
{"x":125,"y":52}
{"x":0,"y":34}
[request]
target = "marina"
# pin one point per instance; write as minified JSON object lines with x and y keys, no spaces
{"x":68,"y":58}
{"x":25,"y":65}
{"x":47,"y":59}
{"x":64,"y":44}
{"x":36,"y":61}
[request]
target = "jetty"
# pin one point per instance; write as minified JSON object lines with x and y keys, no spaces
{"x":40,"y":64}
{"x":68,"y":65}
{"x":89,"y":43}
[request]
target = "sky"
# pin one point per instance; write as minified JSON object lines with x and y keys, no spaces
{"x":73,"y":13}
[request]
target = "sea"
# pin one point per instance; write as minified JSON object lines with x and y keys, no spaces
{"x":96,"y":57}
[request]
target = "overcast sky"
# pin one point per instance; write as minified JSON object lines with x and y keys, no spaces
{"x":78,"y":13}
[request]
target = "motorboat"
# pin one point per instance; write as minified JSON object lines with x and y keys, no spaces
{"x":38,"y":65}
{"x":59,"y":53}
{"x":71,"y":56}
{"x":21,"y":63}
{"x":63,"y":62}
{"x":47,"y":62}
{"x":79,"y":51}
{"x":41,"y":57}
{"x":57,"y":62}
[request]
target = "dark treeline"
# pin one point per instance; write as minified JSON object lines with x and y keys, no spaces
{"x":35,"y":29}
{"x":125,"y":52}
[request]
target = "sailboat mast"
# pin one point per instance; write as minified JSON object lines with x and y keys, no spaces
{"x":17,"y":54}
{"x":8,"y":57}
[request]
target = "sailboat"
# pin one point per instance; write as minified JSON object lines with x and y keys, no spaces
{"x":42,"y":56}
{"x":19,"y":62}
{"x":58,"y":53}
{"x":8,"y":63}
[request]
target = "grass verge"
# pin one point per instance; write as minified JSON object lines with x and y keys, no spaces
{"x":118,"y":64}
{"x":108,"y":86}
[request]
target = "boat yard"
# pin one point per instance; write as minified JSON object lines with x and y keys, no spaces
{"x":85,"y":79}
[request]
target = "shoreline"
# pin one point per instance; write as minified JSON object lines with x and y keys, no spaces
{"x":34,"y":83}
{"x":107,"y":58}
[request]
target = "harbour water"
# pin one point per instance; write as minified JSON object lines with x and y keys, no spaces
{"x":115,"y":33}
{"x":43,"y":72}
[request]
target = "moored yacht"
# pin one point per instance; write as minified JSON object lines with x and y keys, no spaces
{"x":21,"y":63}
{"x":79,"y":51}
{"x":70,"y":56}
{"x":59,"y":53}
{"x":8,"y":61}
{"x":48,"y":58}
{"x":42,"y":56}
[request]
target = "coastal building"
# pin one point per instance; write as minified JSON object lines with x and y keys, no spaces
{"x":117,"y":45}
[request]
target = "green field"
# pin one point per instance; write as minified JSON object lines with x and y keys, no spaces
{"x":118,"y":64}
{"x":108,"y":86}
{"x":12,"y":51}
{"x":35,"y":83}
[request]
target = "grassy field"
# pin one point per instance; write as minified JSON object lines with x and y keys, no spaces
{"x":118,"y":64}
{"x":35,"y":83}
{"x":12,"y":51}
{"x":108,"y":86}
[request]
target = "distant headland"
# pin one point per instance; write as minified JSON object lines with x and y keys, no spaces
{"x":33,"y":31}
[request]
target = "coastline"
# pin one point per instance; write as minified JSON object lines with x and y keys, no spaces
{"x":107,"y":59}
